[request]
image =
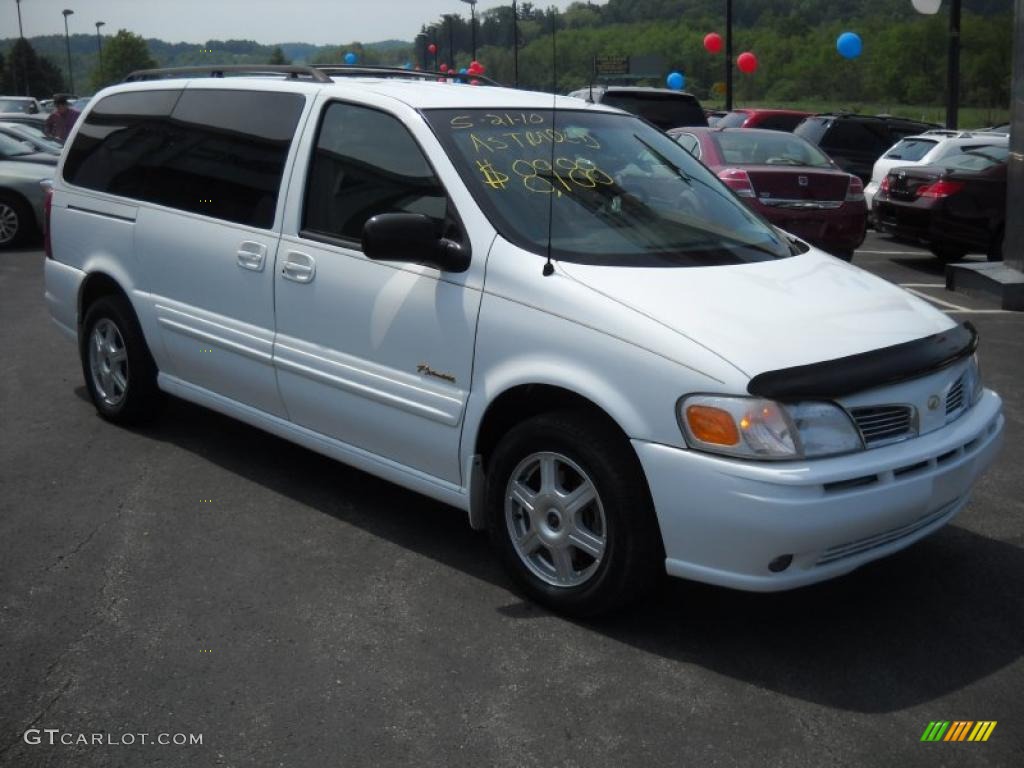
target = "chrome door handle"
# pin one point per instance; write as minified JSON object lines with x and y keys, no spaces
{"x":298,"y":267}
{"x":252,"y":255}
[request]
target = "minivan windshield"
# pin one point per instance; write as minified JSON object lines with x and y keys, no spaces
{"x":605,"y":188}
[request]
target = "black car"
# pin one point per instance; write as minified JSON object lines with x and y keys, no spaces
{"x":662,"y":107}
{"x":956,"y":208}
{"x":855,"y":142}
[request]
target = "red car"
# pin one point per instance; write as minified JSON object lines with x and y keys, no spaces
{"x":788,"y":180}
{"x":774,"y":119}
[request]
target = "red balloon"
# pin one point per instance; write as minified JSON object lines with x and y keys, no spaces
{"x":444,"y":67}
{"x":474,"y":81}
{"x":474,"y":64}
{"x":713,"y":42}
{"x":747,"y":63}
{"x":431,"y":48}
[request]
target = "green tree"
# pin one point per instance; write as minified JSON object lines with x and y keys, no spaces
{"x":28,"y":73}
{"x":122,"y":54}
{"x":277,"y":56}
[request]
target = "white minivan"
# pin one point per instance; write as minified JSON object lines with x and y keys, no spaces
{"x":539,"y":310}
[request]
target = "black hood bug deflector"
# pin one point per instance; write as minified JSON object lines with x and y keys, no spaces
{"x":846,"y":375}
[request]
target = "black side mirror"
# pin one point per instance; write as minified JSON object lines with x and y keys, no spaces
{"x":410,"y":238}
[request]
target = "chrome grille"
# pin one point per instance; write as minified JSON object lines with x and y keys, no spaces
{"x":880,"y":424}
{"x":955,"y":397}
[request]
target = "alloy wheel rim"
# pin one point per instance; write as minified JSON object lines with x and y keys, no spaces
{"x":108,"y":362}
{"x":555,"y":519}
{"x":8,"y":223}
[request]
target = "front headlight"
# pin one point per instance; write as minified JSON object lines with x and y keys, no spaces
{"x":754,"y":428}
{"x":972,"y":381}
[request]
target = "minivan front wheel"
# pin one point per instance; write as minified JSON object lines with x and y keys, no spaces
{"x":570,"y":514}
{"x":119,"y":371}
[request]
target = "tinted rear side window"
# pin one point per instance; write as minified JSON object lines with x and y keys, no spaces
{"x":780,"y":122}
{"x":732,"y":120}
{"x":812,"y":129}
{"x":665,"y":110}
{"x":846,"y":135}
{"x":910,"y":149}
{"x":220,"y":153}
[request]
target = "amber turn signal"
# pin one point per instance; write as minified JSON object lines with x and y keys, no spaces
{"x":712,"y":425}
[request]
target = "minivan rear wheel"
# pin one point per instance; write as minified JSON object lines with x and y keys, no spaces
{"x":570,"y":514}
{"x":119,"y":371}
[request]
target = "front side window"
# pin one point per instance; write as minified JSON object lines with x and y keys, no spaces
{"x":220,"y":153}
{"x":768,"y":148}
{"x":601,"y":188}
{"x":366,"y":163}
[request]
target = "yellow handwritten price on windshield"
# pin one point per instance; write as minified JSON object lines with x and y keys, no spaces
{"x":541,"y":177}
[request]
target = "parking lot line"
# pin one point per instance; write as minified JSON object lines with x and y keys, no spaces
{"x":895,"y":253}
{"x":940,"y":302}
{"x":922,"y":285}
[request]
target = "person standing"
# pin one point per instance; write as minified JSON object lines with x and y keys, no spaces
{"x":60,"y":122}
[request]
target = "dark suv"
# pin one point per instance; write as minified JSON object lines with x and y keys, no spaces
{"x":660,"y":106}
{"x":855,"y":142}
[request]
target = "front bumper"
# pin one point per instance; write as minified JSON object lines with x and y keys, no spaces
{"x":723,"y":521}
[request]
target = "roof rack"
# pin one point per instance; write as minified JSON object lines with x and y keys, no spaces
{"x":349,"y":70}
{"x":293,"y":71}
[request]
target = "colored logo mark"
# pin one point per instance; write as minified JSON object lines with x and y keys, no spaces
{"x":958,"y":730}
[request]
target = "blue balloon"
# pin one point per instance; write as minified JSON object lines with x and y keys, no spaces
{"x":351,"y":58}
{"x":676,"y":81}
{"x":463,"y":71}
{"x":407,"y":65}
{"x":849,"y":45}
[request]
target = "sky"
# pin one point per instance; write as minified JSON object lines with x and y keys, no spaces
{"x":265,"y":21}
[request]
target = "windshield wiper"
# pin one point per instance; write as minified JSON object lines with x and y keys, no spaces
{"x":665,"y":161}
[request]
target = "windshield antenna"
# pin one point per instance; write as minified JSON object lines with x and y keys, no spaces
{"x":549,"y":268}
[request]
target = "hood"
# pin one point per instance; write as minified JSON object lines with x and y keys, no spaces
{"x":773,"y":314}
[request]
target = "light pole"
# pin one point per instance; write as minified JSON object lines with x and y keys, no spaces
{"x":451,"y":38}
{"x":67,"y":41}
{"x":728,"y":55}
{"x":14,"y":64}
{"x":515,"y":44}
{"x":99,"y":43}
{"x":953,"y":67}
{"x":472,"y":25}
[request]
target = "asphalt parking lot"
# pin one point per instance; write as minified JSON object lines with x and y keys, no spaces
{"x":201,"y":577}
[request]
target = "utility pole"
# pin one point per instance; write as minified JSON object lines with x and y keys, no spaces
{"x":728,"y":55}
{"x":14,"y":64}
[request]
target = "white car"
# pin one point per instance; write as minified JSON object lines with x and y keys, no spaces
{"x":927,"y":148}
{"x":543,"y":312}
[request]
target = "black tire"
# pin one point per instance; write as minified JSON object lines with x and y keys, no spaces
{"x":633,"y":555}
{"x":844,"y":255}
{"x":16,"y":221}
{"x":947,"y":254}
{"x":136,"y":399}
{"x":995,"y":250}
